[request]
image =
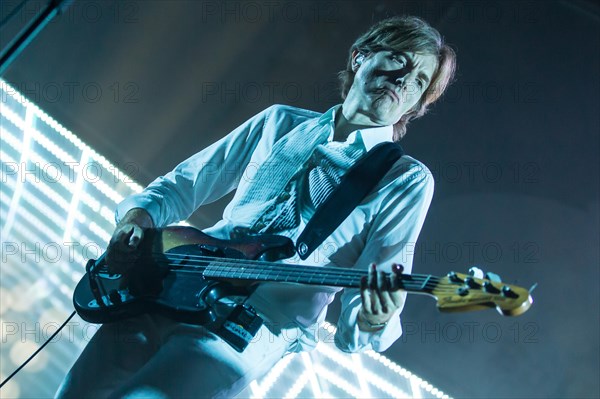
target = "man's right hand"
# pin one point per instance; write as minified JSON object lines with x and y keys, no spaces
{"x":124,"y":246}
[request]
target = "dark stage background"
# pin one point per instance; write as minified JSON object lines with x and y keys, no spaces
{"x":513,"y":147}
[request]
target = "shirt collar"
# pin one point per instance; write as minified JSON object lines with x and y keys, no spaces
{"x":370,"y":137}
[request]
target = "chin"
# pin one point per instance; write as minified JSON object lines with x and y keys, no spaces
{"x":385,"y":115}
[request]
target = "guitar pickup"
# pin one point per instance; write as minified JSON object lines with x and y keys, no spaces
{"x":212,"y":250}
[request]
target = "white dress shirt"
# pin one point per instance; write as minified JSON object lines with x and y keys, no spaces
{"x":275,"y":160}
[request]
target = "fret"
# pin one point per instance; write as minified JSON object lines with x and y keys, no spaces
{"x":282,"y":273}
{"x":313,"y":275}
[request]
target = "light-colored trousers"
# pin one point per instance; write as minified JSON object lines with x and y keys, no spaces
{"x":151,"y":356}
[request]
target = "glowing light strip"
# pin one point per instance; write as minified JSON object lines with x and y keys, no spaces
{"x":27,"y":227}
{"x":384,"y":385}
{"x":108,"y":214}
{"x":29,"y":271}
{"x":10,"y":183}
{"x":416,"y":390}
{"x":359,"y":371}
{"x":10,"y":219}
{"x":314,"y":381}
{"x":74,"y":205}
{"x":300,"y":383}
{"x":256,"y":391}
{"x":38,"y":136}
{"x":99,"y":231}
{"x":364,"y":375}
{"x":53,"y":148}
{"x":90,"y":201}
{"x":269,"y":380}
{"x":338,"y":381}
{"x":51,"y":194}
{"x":5,"y":158}
{"x":12,"y":117}
{"x":33,"y":236}
{"x":65,"y":133}
{"x":403,"y":372}
{"x":330,"y":328}
{"x":11,"y":139}
{"x":108,"y":191}
{"x":43,"y":208}
{"x":36,"y":158}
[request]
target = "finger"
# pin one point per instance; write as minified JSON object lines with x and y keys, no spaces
{"x":382,"y":290}
{"x":387,"y":303}
{"x":126,"y":242}
{"x":395,"y":281}
{"x":372,"y":276}
{"x":136,"y":237}
{"x":396,"y":295}
{"x":375,"y":303}
{"x":373,"y":288}
{"x":365,"y":296}
{"x":122,"y":237}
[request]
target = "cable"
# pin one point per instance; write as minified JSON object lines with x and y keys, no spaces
{"x":37,"y":351}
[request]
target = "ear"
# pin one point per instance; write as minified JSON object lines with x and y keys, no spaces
{"x":357,"y":59}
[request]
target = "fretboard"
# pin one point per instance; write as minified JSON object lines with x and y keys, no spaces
{"x":302,"y":274}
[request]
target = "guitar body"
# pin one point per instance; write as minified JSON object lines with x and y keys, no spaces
{"x":178,"y":291}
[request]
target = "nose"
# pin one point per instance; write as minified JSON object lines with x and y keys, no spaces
{"x":401,"y":76}
{"x":400,"y":81}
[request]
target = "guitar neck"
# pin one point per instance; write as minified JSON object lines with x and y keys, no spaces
{"x":310,"y":275}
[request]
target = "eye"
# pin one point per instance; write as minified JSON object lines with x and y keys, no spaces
{"x":399,"y":59}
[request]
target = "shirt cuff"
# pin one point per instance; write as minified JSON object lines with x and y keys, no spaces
{"x":350,"y":338}
{"x":138,"y":201}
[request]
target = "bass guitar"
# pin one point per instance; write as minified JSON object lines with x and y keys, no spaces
{"x":182,"y":272}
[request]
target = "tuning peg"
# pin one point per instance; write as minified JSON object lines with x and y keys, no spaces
{"x":508,"y":292}
{"x":470,"y":281}
{"x":493,"y":277}
{"x":489,"y":287}
{"x":452,"y":276}
{"x":476,"y":272}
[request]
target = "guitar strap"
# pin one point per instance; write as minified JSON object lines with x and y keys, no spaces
{"x":354,"y":186}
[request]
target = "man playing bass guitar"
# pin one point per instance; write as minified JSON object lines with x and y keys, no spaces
{"x":289,"y":160}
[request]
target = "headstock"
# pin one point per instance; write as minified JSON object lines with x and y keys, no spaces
{"x":458,"y":292}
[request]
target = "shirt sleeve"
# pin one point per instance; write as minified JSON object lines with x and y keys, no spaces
{"x":391,"y":239}
{"x":201,"y":179}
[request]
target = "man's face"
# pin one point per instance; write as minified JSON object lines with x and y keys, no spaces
{"x":387,"y":84}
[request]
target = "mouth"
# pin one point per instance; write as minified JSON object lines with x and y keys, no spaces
{"x":391,"y":92}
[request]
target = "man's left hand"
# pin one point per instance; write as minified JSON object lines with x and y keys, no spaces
{"x":381,"y":297}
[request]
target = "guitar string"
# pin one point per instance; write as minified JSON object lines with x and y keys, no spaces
{"x":342,"y":275}
{"x":274,"y":266}
{"x":270,"y":267}
{"x":411,"y":282}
